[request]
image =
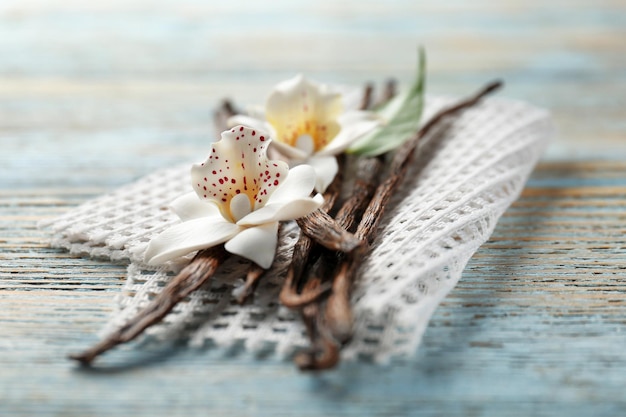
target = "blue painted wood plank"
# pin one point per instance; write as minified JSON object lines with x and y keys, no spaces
{"x":93,"y":96}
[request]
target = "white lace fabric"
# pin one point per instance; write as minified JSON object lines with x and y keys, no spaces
{"x":452,"y":198}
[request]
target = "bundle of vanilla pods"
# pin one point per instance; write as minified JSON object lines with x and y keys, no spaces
{"x":333,"y":241}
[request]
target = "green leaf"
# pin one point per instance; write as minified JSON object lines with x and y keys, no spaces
{"x":402,"y":115}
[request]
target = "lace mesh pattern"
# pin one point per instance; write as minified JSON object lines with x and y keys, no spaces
{"x":449,"y":205}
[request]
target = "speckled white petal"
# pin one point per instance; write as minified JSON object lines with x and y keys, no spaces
{"x":257,"y":244}
{"x":187,"y":237}
{"x":237,"y":163}
{"x":189,"y":206}
{"x":354,"y":125}
{"x":277,"y":212}
{"x":299,"y":183}
{"x":326,"y":168}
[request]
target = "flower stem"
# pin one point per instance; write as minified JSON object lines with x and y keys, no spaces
{"x":338,"y":312}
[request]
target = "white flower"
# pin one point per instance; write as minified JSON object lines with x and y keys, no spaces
{"x":311,"y":123}
{"x":239,"y":197}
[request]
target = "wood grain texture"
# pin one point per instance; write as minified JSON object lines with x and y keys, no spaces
{"x":96,"y":94}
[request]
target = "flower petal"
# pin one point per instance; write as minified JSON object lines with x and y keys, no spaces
{"x":354,"y":124}
{"x":189,"y":206}
{"x":326,"y":168}
{"x":282,"y":211}
{"x":298,"y":106}
{"x":352,"y":96}
{"x":189,"y":236}
{"x":240,"y":206}
{"x":306,"y":144}
{"x":289,"y":151}
{"x":256,"y":243}
{"x":290,"y":200}
{"x":238,"y":164}
{"x":298,"y":184}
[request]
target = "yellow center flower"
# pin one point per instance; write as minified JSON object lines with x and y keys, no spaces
{"x":314,"y":113}
{"x":239,"y":197}
{"x":312,"y":123}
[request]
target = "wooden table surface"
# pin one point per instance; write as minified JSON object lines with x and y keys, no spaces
{"x":96,"y":94}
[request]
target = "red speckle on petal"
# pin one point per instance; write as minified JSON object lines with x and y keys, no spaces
{"x":221,"y":181}
{"x":204,"y":188}
{"x":262,"y":138}
{"x":253,"y":132}
{"x":224,"y":200}
{"x":214,"y":172}
{"x":205,"y":178}
{"x":241,"y":129}
{"x":275,"y":182}
{"x":238,"y":191}
{"x":277,"y":174}
{"x":233,"y":181}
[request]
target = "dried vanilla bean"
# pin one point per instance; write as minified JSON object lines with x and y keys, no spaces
{"x":340,"y":322}
{"x":253,"y":277}
{"x":337,"y":315}
{"x":366,"y":100}
{"x":330,"y":321}
{"x":289,"y":295}
{"x":403,"y":157}
{"x":389,"y":92}
{"x":192,"y":277}
{"x":338,"y":312}
{"x":324,"y":352}
{"x":325,"y":231}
